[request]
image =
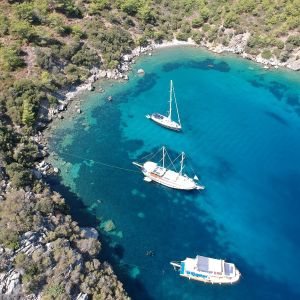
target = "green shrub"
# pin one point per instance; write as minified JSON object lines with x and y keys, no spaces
{"x":19,"y":176}
{"x":9,"y":239}
{"x":67,"y":7}
{"x":231,"y":20}
{"x":21,"y":29}
{"x":130,"y":6}
{"x":4,"y":25}
{"x":54,"y":290}
{"x":182,"y":36}
{"x":146,"y":14}
{"x":198,"y":22}
{"x":294,"y":40}
{"x":97,"y":6}
{"x":267,"y":54}
{"x":26,"y":11}
{"x":10,"y":58}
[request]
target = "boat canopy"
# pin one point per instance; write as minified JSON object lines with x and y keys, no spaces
{"x":150,"y":166}
{"x":207,"y":264}
{"x":229,"y":269}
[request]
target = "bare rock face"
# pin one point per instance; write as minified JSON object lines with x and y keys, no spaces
{"x":88,"y":246}
{"x":89,"y":232}
{"x":294,"y":65}
{"x":82,"y":296}
{"x":10,"y":283}
{"x":239,"y":42}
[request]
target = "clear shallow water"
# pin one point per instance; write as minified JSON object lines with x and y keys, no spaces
{"x":241,"y":135}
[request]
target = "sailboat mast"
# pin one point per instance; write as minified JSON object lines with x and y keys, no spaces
{"x":176,"y":107}
{"x":171,"y":92}
{"x":163,"y":158}
{"x":181,"y":163}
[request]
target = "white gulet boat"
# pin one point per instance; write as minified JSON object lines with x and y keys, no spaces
{"x":168,"y":177}
{"x":166,"y":121}
{"x":208,"y":270}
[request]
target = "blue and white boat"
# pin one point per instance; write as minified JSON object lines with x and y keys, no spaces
{"x":208,"y":270}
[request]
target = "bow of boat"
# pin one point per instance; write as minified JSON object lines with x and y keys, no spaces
{"x":200,"y":187}
{"x":137,"y":164}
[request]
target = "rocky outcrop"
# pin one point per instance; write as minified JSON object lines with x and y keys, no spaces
{"x":89,"y":233}
{"x":10,"y":283}
{"x":33,"y":244}
{"x":294,"y":64}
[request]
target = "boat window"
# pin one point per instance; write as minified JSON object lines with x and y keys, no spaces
{"x":158,"y":116}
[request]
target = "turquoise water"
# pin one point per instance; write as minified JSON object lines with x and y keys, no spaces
{"x":241,"y":136}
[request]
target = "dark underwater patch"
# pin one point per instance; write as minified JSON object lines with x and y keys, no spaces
{"x":208,"y":64}
{"x":277,"y":89}
{"x":297,"y":110}
{"x":276,"y":117}
{"x":144,"y":84}
{"x":133,"y":145}
{"x":171,"y":67}
{"x":255,"y":83}
{"x":292,"y":100}
{"x":222,"y":169}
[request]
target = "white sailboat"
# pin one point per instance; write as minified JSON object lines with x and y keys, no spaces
{"x":166,"y":121}
{"x":167,"y":177}
{"x":208,"y":270}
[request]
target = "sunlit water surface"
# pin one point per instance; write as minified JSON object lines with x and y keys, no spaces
{"x":241,"y":136}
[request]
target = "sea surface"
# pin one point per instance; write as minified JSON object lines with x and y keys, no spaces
{"x":241,"y":136}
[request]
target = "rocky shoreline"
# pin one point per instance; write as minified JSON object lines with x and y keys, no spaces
{"x":36,"y":241}
{"x":237,"y":45}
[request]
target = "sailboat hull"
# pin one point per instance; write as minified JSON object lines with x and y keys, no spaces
{"x":169,"y":178}
{"x":170,"y":184}
{"x":164,"y":122}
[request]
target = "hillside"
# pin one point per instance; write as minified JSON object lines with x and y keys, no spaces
{"x":55,"y":43}
{"x":48,"y":45}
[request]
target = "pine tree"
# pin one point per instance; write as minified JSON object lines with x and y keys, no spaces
{"x":28,"y":116}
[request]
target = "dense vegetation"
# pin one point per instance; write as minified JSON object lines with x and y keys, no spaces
{"x":47,"y":45}
{"x":54,"y":43}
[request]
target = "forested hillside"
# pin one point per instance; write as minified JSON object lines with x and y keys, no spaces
{"x":48,"y":45}
{"x":58,"y":41}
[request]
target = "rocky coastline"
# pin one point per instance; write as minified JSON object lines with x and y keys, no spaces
{"x":237,"y":45}
{"x":38,"y":241}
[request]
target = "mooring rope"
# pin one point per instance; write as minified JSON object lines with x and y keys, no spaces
{"x":101,"y":163}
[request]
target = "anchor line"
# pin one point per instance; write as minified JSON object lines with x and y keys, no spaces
{"x":101,"y":163}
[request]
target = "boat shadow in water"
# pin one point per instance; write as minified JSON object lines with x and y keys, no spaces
{"x":111,"y":254}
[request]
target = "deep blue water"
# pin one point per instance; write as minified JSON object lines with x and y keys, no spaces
{"x":241,"y":136}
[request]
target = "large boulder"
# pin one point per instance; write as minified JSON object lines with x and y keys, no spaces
{"x":10,"y":283}
{"x":89,"y":232}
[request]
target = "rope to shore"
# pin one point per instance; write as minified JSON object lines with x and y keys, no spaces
{"x":101,"y":163}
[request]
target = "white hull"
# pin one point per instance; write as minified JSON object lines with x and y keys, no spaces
{"x":172,"y":184}
{"x":214,"y":280}
{"x":188,"y":269}
{"x":164,"y":121}
{"x":168,"y":178}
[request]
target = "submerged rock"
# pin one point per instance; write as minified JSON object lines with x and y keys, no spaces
{"x":141,"y":72}
{"x":108,"y":226}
